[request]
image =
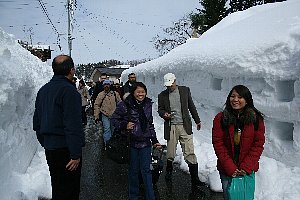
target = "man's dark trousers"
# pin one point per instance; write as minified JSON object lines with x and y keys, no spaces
{"x":65,"y":183}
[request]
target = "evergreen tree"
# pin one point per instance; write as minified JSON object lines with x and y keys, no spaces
{"x":211,"y":13}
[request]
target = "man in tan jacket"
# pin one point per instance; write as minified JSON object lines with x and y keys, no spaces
{"x":105,"y":106}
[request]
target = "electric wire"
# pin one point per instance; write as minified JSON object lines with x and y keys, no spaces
{"x":113,"y":32}
{"x":58,"y":42}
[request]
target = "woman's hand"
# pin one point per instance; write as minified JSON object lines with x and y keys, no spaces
{"x":157,"y":145}
{"x":242,"y":173}
{"x":130,"y":125}
{"x":236,"y":173}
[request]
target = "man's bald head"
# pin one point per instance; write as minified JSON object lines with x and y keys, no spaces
{"x":62,"y":65}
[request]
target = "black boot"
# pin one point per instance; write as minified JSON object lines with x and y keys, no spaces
{"x":193,"y":168}
{"x":169,"y":170}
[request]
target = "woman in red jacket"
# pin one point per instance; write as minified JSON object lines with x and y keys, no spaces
{"x":238,"y":136}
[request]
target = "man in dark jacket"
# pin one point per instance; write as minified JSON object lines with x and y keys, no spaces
{"x":174,"y":105}
{"x":129,"y":85}
{"x":98,"y":87}
{"x":57,"y":122}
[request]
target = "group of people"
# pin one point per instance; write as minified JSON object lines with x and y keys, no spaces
{"x":237,"y":132}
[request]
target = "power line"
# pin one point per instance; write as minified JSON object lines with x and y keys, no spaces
{"x":49,"y":20}
{"x":113,"y":32}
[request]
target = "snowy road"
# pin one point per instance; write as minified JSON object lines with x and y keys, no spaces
{"x":103,"y":179}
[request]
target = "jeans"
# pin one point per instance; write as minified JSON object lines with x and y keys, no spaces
{"x":107,"y":128}
{"x":65,"y":183}
{"x":140,"y":160}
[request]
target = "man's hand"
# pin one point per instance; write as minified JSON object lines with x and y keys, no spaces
{"x":198,"y":126}
{"x":167,"y":115}
{"x":73,"y":164}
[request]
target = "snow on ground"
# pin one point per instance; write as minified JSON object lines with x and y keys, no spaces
{"x":258,"y":47}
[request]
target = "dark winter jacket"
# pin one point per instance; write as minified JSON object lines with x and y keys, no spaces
{"x":97,"y":89}
{"x":57,"y":116}
{"x":120,"y":119}
{"x":251,"y":143}
{"x":127,"y":87}
{"x":187,"y":105}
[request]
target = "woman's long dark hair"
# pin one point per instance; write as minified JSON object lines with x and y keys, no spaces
{"x":244,"y":92}
{"x":138,"y":84}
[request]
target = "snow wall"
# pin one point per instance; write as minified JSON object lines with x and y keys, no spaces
{"x":21,"y":75}
{"x":259,"y":48}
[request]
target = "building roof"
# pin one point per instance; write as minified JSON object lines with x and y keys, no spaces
{"x":110,"y":71}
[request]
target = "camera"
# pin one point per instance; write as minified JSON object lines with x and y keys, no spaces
{"x":173,"y":113}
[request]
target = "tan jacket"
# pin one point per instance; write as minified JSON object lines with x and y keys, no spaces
{"x":84,"y":96}
{"x":109,"y":103}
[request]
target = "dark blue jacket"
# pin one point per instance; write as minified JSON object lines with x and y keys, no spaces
{"x":57,"y":116}
{"x":120,"y":119}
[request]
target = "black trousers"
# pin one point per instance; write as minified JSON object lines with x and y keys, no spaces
{"x":65,"y":183}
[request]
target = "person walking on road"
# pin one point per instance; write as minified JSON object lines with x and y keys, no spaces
{"x":105,"y":106}
{"x":139,"y":122}
{"x":129,"y":85}
{"x":238,"y":136}
{"x":174,"y":105}
{"x":85,"y":96}
{"x":98,"y":88}
{"x":58,"y":126}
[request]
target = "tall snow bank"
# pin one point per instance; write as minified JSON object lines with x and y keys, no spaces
{"x":21,"y":75}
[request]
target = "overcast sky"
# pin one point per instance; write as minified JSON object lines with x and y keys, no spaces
{"x":103,"y":29}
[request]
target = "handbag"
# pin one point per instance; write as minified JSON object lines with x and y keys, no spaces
{"x":242,"y":187}
{"x":117,"y":147}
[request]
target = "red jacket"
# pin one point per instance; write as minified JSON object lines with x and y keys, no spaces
{"x":251,"y":146}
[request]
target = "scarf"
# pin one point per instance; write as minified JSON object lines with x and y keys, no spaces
{"x":142,"y":116}
{"x":247,"y":116}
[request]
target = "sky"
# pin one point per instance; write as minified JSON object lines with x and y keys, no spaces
{"x":266,"y":63}
{"x":102,"y":29}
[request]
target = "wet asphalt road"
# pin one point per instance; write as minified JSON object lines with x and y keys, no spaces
{"x":103,"y":179}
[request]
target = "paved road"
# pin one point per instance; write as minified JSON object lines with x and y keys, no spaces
{"x":104,"y":179}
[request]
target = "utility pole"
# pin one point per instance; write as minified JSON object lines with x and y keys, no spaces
{"x":69,"y":6}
